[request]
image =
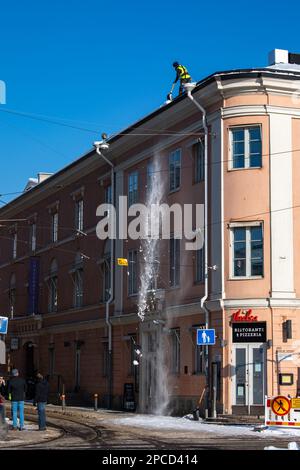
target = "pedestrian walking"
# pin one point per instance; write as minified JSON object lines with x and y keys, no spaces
{"x":41,"y":399}
{"x":17,"y":390}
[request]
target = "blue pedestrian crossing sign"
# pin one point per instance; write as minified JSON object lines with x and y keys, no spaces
{"x":3,"y":325}
{"x":206,"y":337}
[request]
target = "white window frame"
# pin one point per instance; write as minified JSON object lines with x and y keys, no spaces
{"x":171,"y":156}
{"x":132,"y":271}
{"x":79,"y":215}
{"x":108,"y":194}
{"x":15,"y":245}
{"x":133,"y":187}
{"x":78,"y":287}
{"x":247,"y":146}
{"x":199,"y":163}
{"x":53,"y":294}
{"x":150,"y":173}
{"x":54,"y":227}
{"x":246,"y":225}
{"x":176,"y":266}
{"x":33,"y":237}
{"x":201,"y":265}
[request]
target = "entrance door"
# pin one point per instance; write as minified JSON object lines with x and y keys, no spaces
{"x":249,"y":384}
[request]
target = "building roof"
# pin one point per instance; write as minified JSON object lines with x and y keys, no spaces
{"x":280,"y":71}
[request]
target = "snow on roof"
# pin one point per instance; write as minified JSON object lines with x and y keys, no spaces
{"x":285,"y":67}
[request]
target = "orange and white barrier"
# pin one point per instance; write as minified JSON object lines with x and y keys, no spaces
{"x":282,"y":411}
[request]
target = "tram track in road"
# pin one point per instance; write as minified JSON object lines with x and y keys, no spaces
{"x":79,"y":432}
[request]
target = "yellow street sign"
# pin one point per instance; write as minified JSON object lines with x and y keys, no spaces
{"x":296,"y":403}
{"x":122,"y":262}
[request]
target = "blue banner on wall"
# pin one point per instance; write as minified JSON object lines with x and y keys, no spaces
{"x":33,"y":288}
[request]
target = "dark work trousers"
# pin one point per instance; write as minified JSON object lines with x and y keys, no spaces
{"x":182,"y":82}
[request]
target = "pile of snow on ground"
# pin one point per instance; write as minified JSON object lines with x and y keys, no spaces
{"x":182,"y":424}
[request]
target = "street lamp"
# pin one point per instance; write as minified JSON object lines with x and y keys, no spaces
{"x":101,"y":146}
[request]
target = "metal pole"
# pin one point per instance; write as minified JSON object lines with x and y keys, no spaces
{"x":109,"y":300}
{"x":63,"y":402}
{"x":96,"y":401}
{"x":215,"y":385}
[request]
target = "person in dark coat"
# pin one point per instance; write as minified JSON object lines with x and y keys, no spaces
{"x":17,"y":390}
{"x":41,"y":399}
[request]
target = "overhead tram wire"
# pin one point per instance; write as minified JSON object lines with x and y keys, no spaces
{"x":74,"y":252}
{"x":129,"y":133}
{"x":246,"y":216}
{"x":166,"y":169}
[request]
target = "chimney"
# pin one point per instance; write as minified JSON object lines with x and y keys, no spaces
{"x":43,"y":176}
{"x":32,"y":182}
{"x":278,"y":56}
{"x":281,"y":56}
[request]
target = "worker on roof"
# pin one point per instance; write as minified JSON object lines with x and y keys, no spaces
{"x":182,"y":75}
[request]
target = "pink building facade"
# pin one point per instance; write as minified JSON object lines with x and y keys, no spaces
{"x":55,"y":271}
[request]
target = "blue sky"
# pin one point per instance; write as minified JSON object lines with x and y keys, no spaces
{"x":102,"y":65}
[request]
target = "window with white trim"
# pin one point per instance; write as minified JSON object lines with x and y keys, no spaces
{"x":15,"y":245}
{"x":132,"y":188}
{"x":199,"y":274}
{"x":150,"y":176}
{"x":132,"y":272}
{"x":108,"y":195}
{"x":247,"y":251}
{"x":198,"y":152}
{"x":174,"y":170}
{"x":54,"y":227}
{"x":33,"y":236}
{"x":79,"y":215}
{"x":52,"y":285}
{"x":174,"y":261}
{"x":246,"y":147}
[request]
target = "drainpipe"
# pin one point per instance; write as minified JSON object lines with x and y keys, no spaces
{"x":102,"y":145}
{"x":189,"y":87}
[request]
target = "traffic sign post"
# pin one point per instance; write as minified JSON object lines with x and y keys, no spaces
{"x":122,"y":262}
{"x":3,"y":331}
{"x":281,"y":405}
{"x":206,"y":337}
{"x":282,"y":411}
{"x":3,"y":325}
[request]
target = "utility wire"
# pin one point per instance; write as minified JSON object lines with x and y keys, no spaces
{"x":74,"y":252}
{"x":153,"y":172}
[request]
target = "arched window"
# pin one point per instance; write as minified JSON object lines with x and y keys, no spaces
{"x":12,"y":295}
{"x":52,"y":285}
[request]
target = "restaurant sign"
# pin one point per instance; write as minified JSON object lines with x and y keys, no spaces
{"x":243,"y":315}
{"x":249,"y":332}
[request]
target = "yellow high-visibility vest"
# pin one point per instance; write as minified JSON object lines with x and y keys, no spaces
{"x":183,"y":72}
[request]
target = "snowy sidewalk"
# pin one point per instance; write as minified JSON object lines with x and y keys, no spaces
{"x":161,"y":423}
